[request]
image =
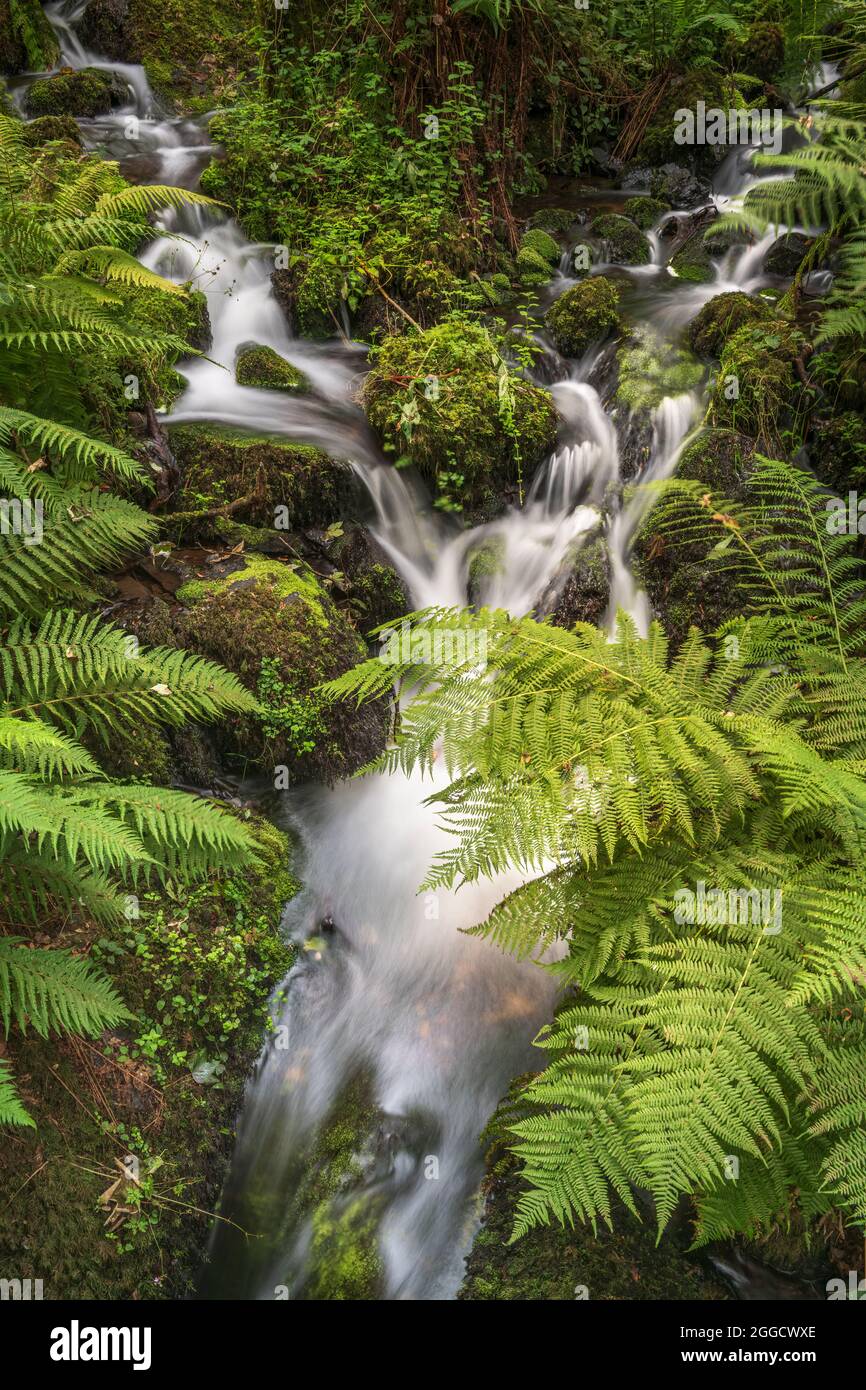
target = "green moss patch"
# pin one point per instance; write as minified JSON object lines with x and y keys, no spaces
{"x":88,"y":92}
{"x":649,"y":370}
{"x":645,"y":212}
{"x":720,"y":318}
{"x":624,"y":242}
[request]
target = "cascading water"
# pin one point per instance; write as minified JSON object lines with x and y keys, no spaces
{"x":391,"y":995}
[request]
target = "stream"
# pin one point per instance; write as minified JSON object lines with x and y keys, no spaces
{"x":389,"y":994}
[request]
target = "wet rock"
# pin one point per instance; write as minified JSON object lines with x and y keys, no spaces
{"x":375,"y":592}
{"x":786,"y":254}
{"x":645,"y":212}
{"x":45,"y":128}
{"x":583,"y":315}
{"x":554,"y":219}
{"x":105,"y":28}
{"x":584,"y":596}
{"x":543,"y":244}
{"x":837,"y":451}
{"x":220,"y":466}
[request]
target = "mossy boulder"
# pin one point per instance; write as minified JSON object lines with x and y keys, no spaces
{"x":720,"y":318}
{"x":761,"y":52}
{"x":624,"y":242}
{"x":532,"y":269}
{"x":279,"y":631}
{"x":43,"y":129}
{"x":553,"y":219}
{"x":683,"y":588}
{"x":786,"y":254}
{"x":542,"y":243}
{"x":27,"y":41}
{"x":584,"y":596}
{"x":221,"y":466}
{"x":583,"y":315}
{"x":264,"y":368}
{"x":678,"y":186}
{"x":645,"y":212}
{"x":649,"y":370}
{"x":436,"y":399}
{"x":87,"y":92}
{"x":376,"y":594}
{"x":758,"y":381}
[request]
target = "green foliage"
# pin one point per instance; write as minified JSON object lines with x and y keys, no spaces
{"x":582,"y":315}
{"x":622,"y":781}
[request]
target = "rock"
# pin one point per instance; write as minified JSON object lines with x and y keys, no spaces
{"x":87,"y":92}
{"x":624,"y":242}
{"x":583,"y":315}
{"x":105,"y":28}
{"x":283,"y":636}
{"x":584,"y":596}
{"x":434,"y":398}
{"x":720,"y":318}
{"x":786,"y":254}
{"x":554,"y":219}
{"x":679,"y":186}
{"x":691,"y":260}
{"x":45,"y":128}
{"x":266,"y":369}
{"x":650,"y":369}
{"x":222,"y":465}
{"x":837,"y":452}
{"x":760,"y":359}
{"x":375,"y":591}
{"x":645,"y":212}
{"x":532,"y":269}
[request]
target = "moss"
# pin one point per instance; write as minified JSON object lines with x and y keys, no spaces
{"x":486,"y":562}
{"x":757,"y":384}
{"x":720,"y":318}
{"x":692,"y":260}
{"x":27,"y":42}
{"x":266,"y":369}
{"x":532,"y":269}
{"x":45,"y":128}
{"x":87,"y":92}
{"x":625,"y":243}
{"x":435,"y":397}
{"x":139,"y":756}
{"x":645,"y":212}
{"x":583,"y":315}
{"x":220,"y":466}
{"x":553,"y":219}
{"x":649,"y":370}
{"x":193,"y":50}
{"x":281,"y":634}
{"x":539,"y":241}
{"x":583,"y":598}
{"x":218,"y":948}
{"x":658,"y":144}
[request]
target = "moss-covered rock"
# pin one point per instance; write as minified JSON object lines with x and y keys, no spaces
{"x":265,"y":368}
{"x":27,"y":42}
{"x":542,"y":243}
{"x":192,"y":50}
{"x":222,"y":466}
{"x":720,"y":318}
{"x":645,"y":212}
{"x":45,"y":128}
{"x":442,"y":400}
{"x":683,"y":588}
{"x":692,"y":260}
{"x":649,"y":370}
{"x":553,"y":219}
{"x":532,"y":269}
{"x":757,"y":382}
{"x":583,"y":315}
{"x":279,"y":631}
{"x":761,"y":52}
{"x":624,"y":242}
{"x":679,"y":186}
{"x":87,"y":92}
{"x":375,"y":592}
{"x":583,"y":597}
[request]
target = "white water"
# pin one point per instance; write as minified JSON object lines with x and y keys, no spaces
{"x":438,"y":1022}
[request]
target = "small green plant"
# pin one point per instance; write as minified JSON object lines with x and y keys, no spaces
{"x":283,"y":713}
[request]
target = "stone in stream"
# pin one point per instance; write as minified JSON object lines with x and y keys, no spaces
{"x":624,"y":242}
{"x":785,"y":256}
{"x":672,"y":183}
{"x":87,"y":92}
{"x":721,"y":317}
{"x":266,"y":369}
